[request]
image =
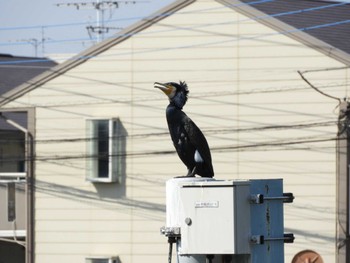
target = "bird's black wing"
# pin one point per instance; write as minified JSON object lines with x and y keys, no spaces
{"x":197,"y":138}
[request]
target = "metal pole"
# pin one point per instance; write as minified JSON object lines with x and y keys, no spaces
{"x":343,"y":170}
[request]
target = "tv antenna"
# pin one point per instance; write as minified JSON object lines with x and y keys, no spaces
{"x":100,"y":6}
{"x":35,"y":42}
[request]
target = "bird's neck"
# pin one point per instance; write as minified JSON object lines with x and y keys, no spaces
{"x":173,"y":112}
{"x":177,"y":104}
{"x":173,"y":107}
{"x":174,"y":117}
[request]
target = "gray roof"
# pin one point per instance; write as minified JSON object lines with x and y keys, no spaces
{"x":18,"y":117}
{"x":323,"y":25}
{"x":328,"y":21}
{"x":15,"y":71}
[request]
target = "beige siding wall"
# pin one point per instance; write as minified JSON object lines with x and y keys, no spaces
{"x":242,"y":78}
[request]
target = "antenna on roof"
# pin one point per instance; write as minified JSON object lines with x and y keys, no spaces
{"x":101,"y":6}
{"x":35,"y":42}
{"x":32,"y":41}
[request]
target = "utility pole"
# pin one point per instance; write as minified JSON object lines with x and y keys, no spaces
{"x":343,"y":184}
{"x":100,"y":6}
{"x":43,"y":39}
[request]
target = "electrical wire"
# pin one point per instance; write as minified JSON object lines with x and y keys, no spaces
{"x":120,"y":35}
{"x":265,"y":146}
{"x":263,"y":17}
{"x":156,"y":50}
{"x":324,"y":69}
{"x":130,"y":18}
{"x":157,"y":135}
{"x":242,"y":38}
{"x":318,"y":90}
{"x":286,"y":32}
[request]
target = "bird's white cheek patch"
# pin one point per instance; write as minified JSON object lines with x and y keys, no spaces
{"x":197,"y":157}
{"x":172,"y":93}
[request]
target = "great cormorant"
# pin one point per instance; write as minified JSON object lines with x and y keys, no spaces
{"x":189,"y":141}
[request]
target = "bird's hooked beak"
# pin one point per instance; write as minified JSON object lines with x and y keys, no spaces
{"x":167,"y":88}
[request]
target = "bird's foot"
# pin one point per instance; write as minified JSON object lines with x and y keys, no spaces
{"x":189,"y":174}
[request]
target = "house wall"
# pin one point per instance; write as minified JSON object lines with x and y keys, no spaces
{"x":260,"y":119}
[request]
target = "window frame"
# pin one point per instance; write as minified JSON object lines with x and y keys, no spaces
{"x":92,"y":156}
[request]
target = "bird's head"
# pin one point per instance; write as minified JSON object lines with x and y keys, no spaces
{"x":176,"y":92}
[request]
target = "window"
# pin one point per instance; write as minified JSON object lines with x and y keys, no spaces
{"x":106,"y":150}
{"x":12,"y":151}
{"x":13,"y":146}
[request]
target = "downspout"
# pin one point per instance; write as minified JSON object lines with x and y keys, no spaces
{"x":29,"y":151}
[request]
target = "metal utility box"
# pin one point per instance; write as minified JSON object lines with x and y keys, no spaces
{"x":214,"y":216}
{"x":226,"y":221}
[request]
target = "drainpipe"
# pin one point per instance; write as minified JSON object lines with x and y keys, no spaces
{"x":29,"y":151}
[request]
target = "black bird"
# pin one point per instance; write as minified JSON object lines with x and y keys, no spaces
{"x":189,"y":141}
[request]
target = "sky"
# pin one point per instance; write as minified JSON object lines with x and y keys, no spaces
{"x":47,"y":28}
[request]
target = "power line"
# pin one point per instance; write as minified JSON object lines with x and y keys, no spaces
{"x":36,"y":43}
{"x":182,"y":13}
{"x":238,"y":21}
{"x":287,"y":32}
{"x":272,"y":146}
{"x":318,"y":90}
{"x":207,"y":131}
{"x":129,"y":18}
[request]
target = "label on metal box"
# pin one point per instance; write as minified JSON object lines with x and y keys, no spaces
{"x":207,"y":204}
